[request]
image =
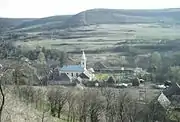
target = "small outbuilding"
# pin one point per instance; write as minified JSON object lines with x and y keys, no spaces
{"x":135,"y":82}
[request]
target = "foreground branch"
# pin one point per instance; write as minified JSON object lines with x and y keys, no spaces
{"x":3,"y":101}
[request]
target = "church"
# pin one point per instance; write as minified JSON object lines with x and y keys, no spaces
{"x":80,"y":71}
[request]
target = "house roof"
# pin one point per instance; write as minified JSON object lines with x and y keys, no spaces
{"x":83,"y":75}
{"x":64,"y":77}
{"x":163,"y":101}
{"x":77,"y":68}
{"x":172,"y":90}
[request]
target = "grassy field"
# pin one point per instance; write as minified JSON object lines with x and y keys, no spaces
{"x":104,"y":35}
{"x":105,"y":39}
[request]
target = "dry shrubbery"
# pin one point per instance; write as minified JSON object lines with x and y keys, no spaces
{"x":16,"y":110}
{"x":73,"y":105}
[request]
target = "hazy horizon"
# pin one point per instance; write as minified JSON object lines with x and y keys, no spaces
{"x":41,"y":8}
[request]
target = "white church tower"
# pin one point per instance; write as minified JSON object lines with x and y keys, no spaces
{"x":83,"y":60}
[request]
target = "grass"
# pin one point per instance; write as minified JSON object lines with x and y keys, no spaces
{"x":101,"y":76}
{"x":108,"y":36}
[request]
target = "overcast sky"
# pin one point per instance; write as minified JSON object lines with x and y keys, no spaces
{"x":44,"y":8}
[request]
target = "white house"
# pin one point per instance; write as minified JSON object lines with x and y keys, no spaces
{"x":75,"y":71}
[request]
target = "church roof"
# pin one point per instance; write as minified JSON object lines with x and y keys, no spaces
{"x":77,"y":68}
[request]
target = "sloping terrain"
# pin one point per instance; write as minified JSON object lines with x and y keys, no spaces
{"x":9,"y":23}
{"x":17,"y":111}
{"x":47,"y":22}
{"x":115,"y":16}
{"x":94,"y":17}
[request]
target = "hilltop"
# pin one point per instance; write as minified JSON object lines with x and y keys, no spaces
{"x":115,"y":16}
{"x":94,"y":17}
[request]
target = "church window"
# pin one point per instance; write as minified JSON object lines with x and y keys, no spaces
{"x":72,"y":74}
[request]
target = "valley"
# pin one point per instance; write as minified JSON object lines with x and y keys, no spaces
{"x":132,"y":58}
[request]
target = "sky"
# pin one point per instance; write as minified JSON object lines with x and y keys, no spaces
{"x":44,"y":8}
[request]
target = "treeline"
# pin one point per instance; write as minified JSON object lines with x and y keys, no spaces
{"x":164,"y":67}
{"x":8,"y":50}
{"x":92,"y":105}
{"x":48,"y":53}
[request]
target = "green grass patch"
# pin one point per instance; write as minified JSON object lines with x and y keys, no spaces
{"x":102,"y":76}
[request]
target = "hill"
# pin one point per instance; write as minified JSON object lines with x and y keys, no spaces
{"x":115,"y":16}
{"x":93,"y":17}
{"x":9,"y":23}
{"x":45,"y":22}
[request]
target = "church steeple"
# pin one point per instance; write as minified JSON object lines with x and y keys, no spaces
{"x":83,"y":60}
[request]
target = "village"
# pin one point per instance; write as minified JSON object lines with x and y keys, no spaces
{"x":89,"y":61}
{"x":82,"y":77}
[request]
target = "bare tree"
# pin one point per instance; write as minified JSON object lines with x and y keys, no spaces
{"x":3,"y":100}
{"x":134,"y":109}
{"x":38,"y":98}
{"x":2,"y":92}
{"x":71,"y":99}
{"x":122,"y":101}
{"x":109,"y":95}
{"x":82,"y":105}
{"x":57,"y":99}
{"x":96,"y":106}
{"x":45,"y":110}
{"x":61,"y":100}
{"x":52,"y":101}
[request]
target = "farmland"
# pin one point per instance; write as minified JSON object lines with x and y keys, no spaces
{"x":108,"y":42}
{"x":104,"y":36}
{"x":34,"y":50}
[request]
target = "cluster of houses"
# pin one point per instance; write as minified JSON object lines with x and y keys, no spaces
{"x":74,"y":73}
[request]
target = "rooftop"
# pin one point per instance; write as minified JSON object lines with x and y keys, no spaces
{"x":72,"y":68}
{"x":163,"y":100}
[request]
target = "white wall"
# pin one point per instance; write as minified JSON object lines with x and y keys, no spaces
{"x":70,"y":73}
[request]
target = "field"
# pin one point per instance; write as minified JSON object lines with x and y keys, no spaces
{"x":113,"y":40}
{"x":104,"y":36}
{"x":106,"y":43}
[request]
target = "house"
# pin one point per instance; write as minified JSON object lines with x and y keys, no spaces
{"x":173,"y":94}
{"x":62,"y":79}
{"x":75,"y":71}
{"x":163,"y":101}
{"x":174,"y":89}
{"x":157,"y":108}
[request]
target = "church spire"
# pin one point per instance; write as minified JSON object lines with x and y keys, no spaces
{"x":83,"y":55}
{"x":83,"y":60}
